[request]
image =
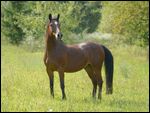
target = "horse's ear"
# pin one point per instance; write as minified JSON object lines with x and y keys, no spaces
{"x":58,"y":17}
{"x":50,"y":17}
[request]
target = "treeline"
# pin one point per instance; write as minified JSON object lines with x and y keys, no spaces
{"x":24,"y":21}
{"x":128,"y":18}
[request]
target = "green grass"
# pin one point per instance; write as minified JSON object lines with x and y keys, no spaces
{"x":25,"y":84}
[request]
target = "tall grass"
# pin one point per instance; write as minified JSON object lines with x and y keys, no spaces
{"x":25,"y":85}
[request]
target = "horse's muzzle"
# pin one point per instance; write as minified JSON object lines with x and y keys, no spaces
{"x":59,"y":36}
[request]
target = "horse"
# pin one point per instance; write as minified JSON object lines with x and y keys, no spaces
{"x":72,"y":58}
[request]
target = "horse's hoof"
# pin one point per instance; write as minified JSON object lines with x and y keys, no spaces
{"x":94,"y":97}
{"x":64,"y":98}
{"x":100,"y":97}
{"x":109,"y":91}
{"x":52,"y":96}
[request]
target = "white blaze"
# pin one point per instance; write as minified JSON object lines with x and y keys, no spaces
{"x":56,"y":23}
{"x":57,"y":30}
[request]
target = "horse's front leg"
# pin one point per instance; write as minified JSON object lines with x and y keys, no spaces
{"x":62,"y":84}
{"x":51,"y":79}
{"x":45,"y":58}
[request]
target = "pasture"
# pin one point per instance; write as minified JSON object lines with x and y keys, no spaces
{"x":25,"y":84}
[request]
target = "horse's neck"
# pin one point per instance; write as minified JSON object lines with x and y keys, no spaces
{"x":52,"y":43}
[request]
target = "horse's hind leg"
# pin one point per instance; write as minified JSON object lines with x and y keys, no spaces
{"x":93,"y":79}
{"x":99,"y":81}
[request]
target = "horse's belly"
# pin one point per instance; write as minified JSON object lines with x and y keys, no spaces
{"x":74,"y":69}
{"x":76,"y":65}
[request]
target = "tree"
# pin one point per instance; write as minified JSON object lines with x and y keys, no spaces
{"x":9,"y":21}
{"x":128,"y":18}
{"x":90,"y":17}
{"x":27,"y":20}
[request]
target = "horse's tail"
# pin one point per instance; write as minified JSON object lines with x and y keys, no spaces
{"x":109,"y":67}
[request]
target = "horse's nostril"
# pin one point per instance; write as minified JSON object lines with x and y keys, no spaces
{"x":59,"y":35}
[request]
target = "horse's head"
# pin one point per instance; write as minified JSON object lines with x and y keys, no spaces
{"x":54,"y":27}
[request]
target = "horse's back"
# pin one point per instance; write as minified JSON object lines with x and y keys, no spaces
{"x":91,"y":47}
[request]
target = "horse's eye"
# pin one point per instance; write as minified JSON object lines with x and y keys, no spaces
{"x":50,"y":24}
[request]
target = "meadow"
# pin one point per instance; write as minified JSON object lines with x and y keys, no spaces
{"x":25,"y":84}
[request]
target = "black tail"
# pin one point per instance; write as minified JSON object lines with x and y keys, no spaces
{"x":109,"y":67}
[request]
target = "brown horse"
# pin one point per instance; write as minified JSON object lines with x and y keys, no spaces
{"x":71,"y":58}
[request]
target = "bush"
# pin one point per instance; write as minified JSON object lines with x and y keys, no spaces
{"x":10,"y":26}
{"x":128,"y":18}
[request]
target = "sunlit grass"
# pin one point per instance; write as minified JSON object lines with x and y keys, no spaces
{"x":25,"y":84}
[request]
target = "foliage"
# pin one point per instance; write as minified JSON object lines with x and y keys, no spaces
{"x":9,"y":21}
{"x":128,"y":18}
{"x":26,"y":21}
{"x":91,"y":16}
{"x":34,"y":16}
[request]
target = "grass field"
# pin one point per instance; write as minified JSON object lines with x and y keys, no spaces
{"x":25,"y":84}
